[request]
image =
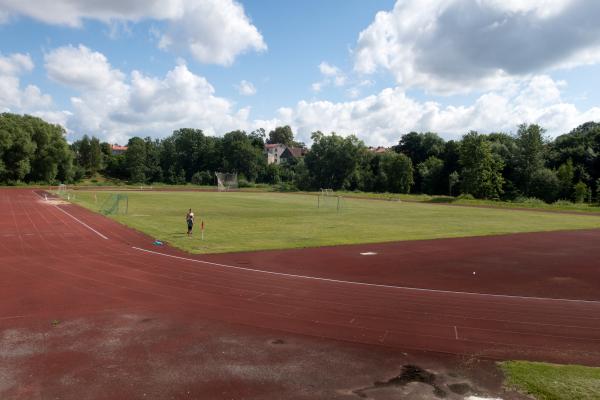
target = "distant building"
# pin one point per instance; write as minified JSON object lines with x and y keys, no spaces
{"x":379,"y":149}
{"x":278,"y":153}
{"x":115,"y":149}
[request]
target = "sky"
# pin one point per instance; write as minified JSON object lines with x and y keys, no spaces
{"x":377,"y":69}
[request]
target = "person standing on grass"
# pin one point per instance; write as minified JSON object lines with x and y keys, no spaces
{"x":190,"y":221}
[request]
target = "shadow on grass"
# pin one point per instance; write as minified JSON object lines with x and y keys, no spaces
{"x":441,"y":199}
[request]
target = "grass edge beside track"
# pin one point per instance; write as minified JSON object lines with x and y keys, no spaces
{"x":545,"y":381}
{"x":303,"y":234}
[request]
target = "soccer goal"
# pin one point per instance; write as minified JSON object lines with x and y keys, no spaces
{"x":328,"y":200}
{"x":115,"y":204}
{"x":226,"y":181}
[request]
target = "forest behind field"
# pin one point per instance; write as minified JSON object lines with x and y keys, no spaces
{"x":502,"y":166}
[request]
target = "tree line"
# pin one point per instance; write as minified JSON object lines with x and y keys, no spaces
{"x":490,"y":166}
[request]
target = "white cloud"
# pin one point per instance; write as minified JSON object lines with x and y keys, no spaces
{"x":353,"y":92}
{"x":331,"y":75}
{"x":448,"y":46}
{"x":382,"y":118}
{"x":80,"y":68}
{"x":72,"y":13}
{"x":115,"y":106}
{"x":213,"y":31}
{"x":246,"y":88}
{"x":15,"y":64}
{"x":328,"y":70}
{"x":13,"y":97}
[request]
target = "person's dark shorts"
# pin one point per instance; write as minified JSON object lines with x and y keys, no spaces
{"x":190,"y":225}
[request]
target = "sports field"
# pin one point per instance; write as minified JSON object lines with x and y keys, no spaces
{"x":111,"y":313}
{"x":237,"y":221}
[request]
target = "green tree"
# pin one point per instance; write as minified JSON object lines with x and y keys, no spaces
{"x":432,"y":178}
{"x":398,"y":169}
{"x":545,"y":185}
{"x":565,"y":175}
{"x":154,"y":172}
{"x":530,"y":155}
{"x":332,"y":159}
{"x":257,"y":137}
{"x":581,"y":192}
{"x":83,"y":149}
{"x":505,"y":148}
{"x":453,"y":180}
{"x":189,"y":150}
{"x":239,"y":155}
{"x":95,"y":157}
{"x":419,"y":147}
{"x":481,"y":171}
{"x":582,"y":146}
{"x":33,"y":150}
{"x":135,"y":160}
{"x":283,"y":135}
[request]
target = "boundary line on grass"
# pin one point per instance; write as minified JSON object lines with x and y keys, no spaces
{"x":504,"y":296}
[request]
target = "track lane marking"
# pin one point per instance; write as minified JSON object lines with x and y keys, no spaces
{"x":77,"y":219}
{"x":503,"y":296}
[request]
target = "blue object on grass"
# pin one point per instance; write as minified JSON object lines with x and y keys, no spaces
{"x":157,"y":243}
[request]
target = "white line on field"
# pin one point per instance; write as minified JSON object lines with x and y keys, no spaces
{"x":455,"y":333}
{"x":78,"y":220}
{"x":502,"y":296}
{"x":83,"y":223}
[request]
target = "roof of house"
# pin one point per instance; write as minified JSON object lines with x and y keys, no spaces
{"x":298,"y":151}
{"x":293,"y":151}
{"x":117,"y":147}
{"x":378,"y":149}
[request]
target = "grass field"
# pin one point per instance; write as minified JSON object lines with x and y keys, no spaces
{"x":237,"y":221}
{"x":553,"y":382}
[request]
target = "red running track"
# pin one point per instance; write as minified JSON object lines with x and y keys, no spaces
{"x":534,"y":296}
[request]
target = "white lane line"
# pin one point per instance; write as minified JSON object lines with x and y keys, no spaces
{"x":501,"y":296}
{"x":83,"y":223}
{"x":76,"y":219}
{"x":455,"y":333}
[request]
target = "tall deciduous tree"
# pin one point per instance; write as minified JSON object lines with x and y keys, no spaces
{"x":96,"y":158}
{"x":282,"y":134}
{"x":241,"y":156}
{"x":530,"y":155}
{"x":565,"y":176}
{"x":398,"y":169}
{"x":432,"y":178}
{"x":332,"y":159}
{"x":481,"y":171}
{"x":135,"y":160}
{"x":32,"y":150}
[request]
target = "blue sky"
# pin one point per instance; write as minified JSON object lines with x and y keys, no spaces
{"x":377,"y":69}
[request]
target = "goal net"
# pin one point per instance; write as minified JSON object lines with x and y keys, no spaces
{"x":115,"y":204}
{"x":327,"y":199}
{"x":226,"y":181}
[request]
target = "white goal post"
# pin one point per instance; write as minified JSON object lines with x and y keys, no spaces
{"x":226,"y":181}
